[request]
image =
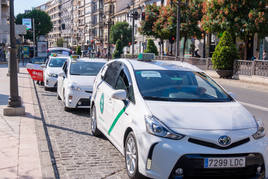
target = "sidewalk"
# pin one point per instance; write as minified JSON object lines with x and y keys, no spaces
{"x":258,"y":80}
{"x":19,"y":153}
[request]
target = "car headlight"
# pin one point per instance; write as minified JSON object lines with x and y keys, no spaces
{"x":74,"y":87}
{"x":260,"y":130}
{"x":52,"y":75}
{"x":155,"y":127}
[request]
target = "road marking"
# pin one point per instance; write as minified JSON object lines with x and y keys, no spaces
{"x":254,"y":106}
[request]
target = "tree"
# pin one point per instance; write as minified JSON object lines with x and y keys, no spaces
{"x":78,"y":50}
{"x":42,"y":22}
{"x":225,"y":53}
{"x":151,"y":48}
{"x":165,"y":24}
{"x":151,"y":15}
{"x":191,"y":14}
{"x":242,"y":18}
{"x":60,"y":42}
{"x":118,"y":49}
{"x":122,"y":31}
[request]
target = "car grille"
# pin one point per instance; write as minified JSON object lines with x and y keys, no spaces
{"x":84,"y":102}
{"x":193,"y":166}
{"x":212,"y":145}
{"x":88,"y":91}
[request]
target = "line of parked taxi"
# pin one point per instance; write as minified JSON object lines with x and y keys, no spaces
{"x":169,"y":120}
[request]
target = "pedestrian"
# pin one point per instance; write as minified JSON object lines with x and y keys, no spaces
{"x":265,"y":55}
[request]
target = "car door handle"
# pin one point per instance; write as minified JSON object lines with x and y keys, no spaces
{"x":110,"y":100}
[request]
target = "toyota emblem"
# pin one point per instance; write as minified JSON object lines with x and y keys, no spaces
{"x":224,"y":140}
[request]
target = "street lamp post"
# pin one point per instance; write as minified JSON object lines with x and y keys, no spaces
{"x":14,"y":100}
{"x":134,"y":15}
{"x":178,"y":30}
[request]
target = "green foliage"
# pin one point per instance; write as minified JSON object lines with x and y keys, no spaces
{"x":151,"y":15}
{"x":225,"y":53}
{"x":78,"y":50}
{"x":166,"y":23}
{"x":60,"y":42}
{"x":118,"y":49}
{"x":241,"y":18}
{"x":122,"y":31}
{"x":42,"y":21}
{"x":151,"y":48}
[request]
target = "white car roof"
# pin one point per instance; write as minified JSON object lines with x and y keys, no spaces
{"x":60,"y":56}
{"x":92,"y":60}
{"x":59,"y":48}
{"x":160,"y":65}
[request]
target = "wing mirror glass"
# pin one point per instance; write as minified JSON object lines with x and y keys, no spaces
{"x":43,"y":66}
{"x":120,"y":95}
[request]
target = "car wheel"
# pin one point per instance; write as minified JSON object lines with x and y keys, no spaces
{"x":94,"y":128}
{"x":131,"y":157}
{"x":67,"y":109}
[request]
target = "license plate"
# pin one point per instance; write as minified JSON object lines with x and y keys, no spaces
{"x":237,"y":162}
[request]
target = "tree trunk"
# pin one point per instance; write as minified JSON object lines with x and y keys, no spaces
{"x":184,"y":43}
{"x":209,"y":44}
{"x":162,"y":45}
{"x":171,"y":48}
{"x":246,"y":49}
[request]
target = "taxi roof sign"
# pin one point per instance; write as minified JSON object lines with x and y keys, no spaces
{"x":146,"y":56}
{"x":75,"y":57}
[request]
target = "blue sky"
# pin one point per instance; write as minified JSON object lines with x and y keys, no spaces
{"x":21,"y":5}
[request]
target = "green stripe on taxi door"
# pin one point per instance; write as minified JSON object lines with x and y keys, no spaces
{"x":116,"y":119}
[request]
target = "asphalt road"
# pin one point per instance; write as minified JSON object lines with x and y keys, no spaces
{"x":254,"y":98}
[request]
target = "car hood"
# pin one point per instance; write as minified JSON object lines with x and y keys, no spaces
{"x":54,"y":70}
{"x":84,"y":82}
{"x":202,"y":116}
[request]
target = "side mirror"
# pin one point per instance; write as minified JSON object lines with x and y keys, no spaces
{"x":120,"y":95}
{"x":43,"y":66}
{"x":62,"y":74}
{"x":232,"y":95}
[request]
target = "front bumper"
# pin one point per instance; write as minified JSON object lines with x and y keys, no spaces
{"x":79,"y":99}
{"x":166,"y":155}
{"x":50,"y":82}
{"x":193,"y":166}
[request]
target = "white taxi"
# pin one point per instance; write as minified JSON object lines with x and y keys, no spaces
{"x":75,"y":83}
{"x":173,"y":121}
{"x":52,"y":69}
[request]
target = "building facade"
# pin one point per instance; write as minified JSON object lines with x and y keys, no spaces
{"x":53,"y":9}
{"x":67,"y":21}
{"x":4,"y":14}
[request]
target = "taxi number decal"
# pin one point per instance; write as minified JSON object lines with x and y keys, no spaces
{"x":116,"y":119}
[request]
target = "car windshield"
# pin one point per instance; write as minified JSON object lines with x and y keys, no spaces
{"x":86,"y":68}
{"x":173,"y":85}
{"x":57,"y":62}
